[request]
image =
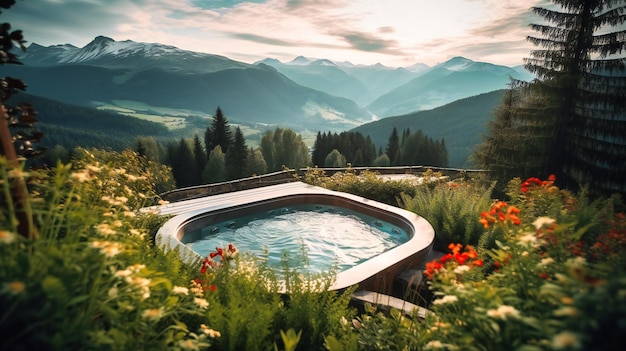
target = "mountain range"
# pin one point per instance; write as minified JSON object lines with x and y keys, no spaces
{"x":305,"y":94}
{"x":160,"y":76}
{"x":387,"y":91}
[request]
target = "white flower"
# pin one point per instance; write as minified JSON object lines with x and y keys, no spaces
{"x":81,"y":176}
{"x":7,"y":237}
{"x":189,"y":344}
{"x":546,"y":261}
{"x":445,"y":299}
{"x":210,"y":332}
{"x":461,"y":269}
{"x":504,"y":312}
{"x":153,"y":313}
{"x":528,"y":239}
{"x":542,"y":221}
{"x":105,"y":229}
{"x":94,"y":169}
{"x":129,"y":214}
{"x":196,"y":289}
{"x":113,"y":292}
{"x":566,"y":340}
{"x":202,"y":303}
{"x":180,"y":290}
{"x":567,"y":311}
{"x":107,"y":248}
{"x":433,"y":345}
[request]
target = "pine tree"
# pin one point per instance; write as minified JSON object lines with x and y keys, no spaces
{"x":518,"y":138}
{"x":237,"y":157}
{"x":316,"y":155}
{"x":582,"y":74}
{"x":200,"y":160}
{"x":393,"y":146}
{"x":183,"y":164}
{"x":218,"y":133}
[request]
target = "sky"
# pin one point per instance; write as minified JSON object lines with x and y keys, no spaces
{"x":395,"y":33}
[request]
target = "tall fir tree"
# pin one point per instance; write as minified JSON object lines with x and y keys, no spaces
{"x":237,"y":157}
{"x":393,"y":146}
{"x":200,"y":159}
{"x":574,"y":112}
{"x":519,"y":137}
{"x":218,"y":133}
{"x":183,"y":164}
{"x":583,"y":73}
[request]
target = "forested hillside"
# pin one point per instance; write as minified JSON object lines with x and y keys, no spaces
{"x":71,"y":126}
{"x":461,"y":123}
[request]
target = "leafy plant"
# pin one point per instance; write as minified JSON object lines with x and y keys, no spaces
{"x":452,"y":209}
{"x":368,"y":184}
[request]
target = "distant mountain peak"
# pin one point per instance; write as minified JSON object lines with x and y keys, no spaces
{"x":300,"y":60}
{"x":101,"y":39}
{"x":457,"y":63}
{"x":418,"y":67}
{"x":323,"y":62}
{"x":268,"y":61}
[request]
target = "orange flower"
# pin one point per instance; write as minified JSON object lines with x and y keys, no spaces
{"x":484,"y":222}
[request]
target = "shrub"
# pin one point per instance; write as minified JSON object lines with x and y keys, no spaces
{"x":368,"y":184}
{"x":452,"y":209}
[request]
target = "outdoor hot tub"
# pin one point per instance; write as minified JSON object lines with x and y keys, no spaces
{"x":406,"y":238}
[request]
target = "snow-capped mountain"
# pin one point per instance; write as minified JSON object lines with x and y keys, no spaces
{"x":104,"y":51}
{"x":164,"y":77}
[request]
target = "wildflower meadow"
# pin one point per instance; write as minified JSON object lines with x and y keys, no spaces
{"x":539,"y":269}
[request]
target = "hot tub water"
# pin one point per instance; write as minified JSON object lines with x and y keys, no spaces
{"x":330,"y":236}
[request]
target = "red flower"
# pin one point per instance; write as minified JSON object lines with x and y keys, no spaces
{"x":446,"y":258}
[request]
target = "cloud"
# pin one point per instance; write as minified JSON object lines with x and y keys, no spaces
{"x":217,"y":4}
{"x":356,"y":30}
{"x":265,"y":40}
{"x":368,"y":42}
{"x":386,"y":29}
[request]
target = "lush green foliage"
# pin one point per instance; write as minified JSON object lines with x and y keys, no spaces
{"x":367,"y":184}
{"x":553,"y":280}
{"x":357,"y":149}
{"x":284,"y":148}
{"x":72,"y":126}
{"x":420,"y":149}
{"x":93,"y":279}
{"x":461,"y":123}
{"x":571,"y":120}
{"x":451,"y":208}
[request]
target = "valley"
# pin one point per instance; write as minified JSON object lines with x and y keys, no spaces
{"x":180,"y":90}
